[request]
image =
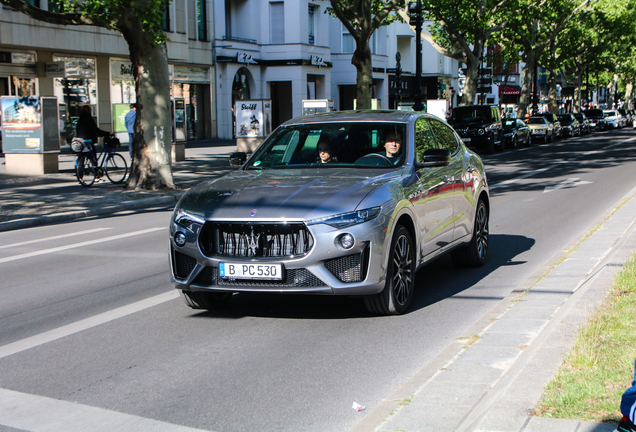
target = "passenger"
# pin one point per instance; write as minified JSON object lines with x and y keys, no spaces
{"x":325,"y":152}
{"x":392,"y":146}
{"x":628,"y":408}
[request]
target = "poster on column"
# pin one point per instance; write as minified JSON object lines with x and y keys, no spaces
{"x":250,"y":117}
{"x":21,"y":124}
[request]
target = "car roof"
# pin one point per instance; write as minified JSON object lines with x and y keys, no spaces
{"x":359,"y":116}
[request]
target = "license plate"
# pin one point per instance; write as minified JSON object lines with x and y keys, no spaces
{"x":251,"y":271}
{"x":466,"y":140}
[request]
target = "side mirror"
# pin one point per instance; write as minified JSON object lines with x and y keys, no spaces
{"x":237,"y":159}
{"x":434,"y":158}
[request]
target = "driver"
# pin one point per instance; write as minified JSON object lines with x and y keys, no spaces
{"x":392,"y":145}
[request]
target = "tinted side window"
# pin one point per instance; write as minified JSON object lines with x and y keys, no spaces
{"x":424,"y":138}
{"x":445,"y":136}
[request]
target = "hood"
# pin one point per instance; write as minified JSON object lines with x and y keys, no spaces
{"x":291,"y":194}
{"x":470,"y":124}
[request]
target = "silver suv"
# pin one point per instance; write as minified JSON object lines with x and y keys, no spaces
{"x":347,"y":203}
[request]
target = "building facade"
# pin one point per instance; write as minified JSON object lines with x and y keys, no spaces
{"x":88,"y":65}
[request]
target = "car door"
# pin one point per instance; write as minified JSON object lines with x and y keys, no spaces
{"x":433,"y":201}
{"x":463,"y":206}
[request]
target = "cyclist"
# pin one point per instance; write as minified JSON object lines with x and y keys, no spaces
{"x":87,"y":129}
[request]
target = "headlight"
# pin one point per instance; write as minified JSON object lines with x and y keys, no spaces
{"x":186,"y":220}
{"x":348,"y":219}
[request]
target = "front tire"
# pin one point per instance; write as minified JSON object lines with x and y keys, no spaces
{"x":475,"y":253}
{"x":116,"y":168}
{"x":206,"y":300}
{"x":397,"y":295}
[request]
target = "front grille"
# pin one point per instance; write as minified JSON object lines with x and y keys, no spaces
{"x":183,"y":264}
{"x":294,"y":278}
{"x":350,"y":268}
{"x":255,"y":240}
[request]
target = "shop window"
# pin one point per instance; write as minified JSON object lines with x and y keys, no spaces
{"x":77,"y":88}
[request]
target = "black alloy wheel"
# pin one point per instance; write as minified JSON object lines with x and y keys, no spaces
{"x":475,"y":253}
{"x":397,"y":295}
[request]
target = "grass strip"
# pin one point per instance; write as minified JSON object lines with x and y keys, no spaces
{"x":600,"y":366}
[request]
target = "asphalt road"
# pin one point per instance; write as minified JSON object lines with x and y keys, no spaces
{"x":89,"y":315}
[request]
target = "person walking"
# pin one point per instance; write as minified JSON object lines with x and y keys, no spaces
{"x":129,"y":120}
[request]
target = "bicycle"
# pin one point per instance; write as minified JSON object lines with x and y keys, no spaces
{"x":108,"y":162}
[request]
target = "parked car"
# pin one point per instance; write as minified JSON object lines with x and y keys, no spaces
{"x":584,"y":123}
{"x":284,"y":222}
{"x":542,"y":129}
{"x":478,"y":126}
{"x":552,"y":118}
{"x":613,"y":119}
{"x":516,"y":132}
{"x":627,"y":115}
{"x":570,"y":126}
{"x":597,"y":119}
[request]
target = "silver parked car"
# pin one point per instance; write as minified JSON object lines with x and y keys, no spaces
{"x":344,"y":203}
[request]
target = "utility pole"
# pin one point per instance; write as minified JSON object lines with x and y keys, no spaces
{"x":415,"y":16}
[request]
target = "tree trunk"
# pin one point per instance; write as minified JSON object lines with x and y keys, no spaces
{"x":528,"y":72}
{"x":553,"y":107}
{"x":364,"y":79}
{"x":151,"y":167}
{"x":629,"y":87}
{"x":470,"y":89}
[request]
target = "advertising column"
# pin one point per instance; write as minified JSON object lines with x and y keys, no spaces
{"x":253,"y":123}
{"x":30,"y":134}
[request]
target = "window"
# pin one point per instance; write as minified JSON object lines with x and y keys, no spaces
{"x":35,"y":3}
{"x":348,"y":44}
{"x":202,"y":22}
{"x":311,"y":27}
{"x":165,"y":19}
{"x":445,"y":136}
{"x":424,"y":139}
{"x":277,"y":22}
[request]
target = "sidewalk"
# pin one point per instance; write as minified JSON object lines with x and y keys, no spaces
{"x":491,"y":385}
{"x":27,"y":201}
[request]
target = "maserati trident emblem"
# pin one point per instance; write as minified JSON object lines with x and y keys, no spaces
{"x":253,"y":212}
{"x":252,"y":242}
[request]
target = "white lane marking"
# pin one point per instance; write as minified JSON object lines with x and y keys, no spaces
{"x":34,"y":413}
{"x":77,"y":245}
{"x":55,"y":237}
{"x":569,"y":183}
{"x":515,"y":180}
{"x":76,"y":327}
{"x":530,"y":174}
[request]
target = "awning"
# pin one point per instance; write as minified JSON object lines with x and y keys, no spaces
{"x":509,"y":90}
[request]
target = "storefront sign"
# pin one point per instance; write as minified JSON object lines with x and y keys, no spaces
{"x":253,"y":118}
{"x":78,"y":67}
{"x":121,"y":70}
{"x":23,"y":58}
{"x":55,"y":69}
{"x":317,"y":61}
{"x":190,"y":74}
{"x":243,"y":57}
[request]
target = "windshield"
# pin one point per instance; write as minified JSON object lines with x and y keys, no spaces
{"x":471,"y":113}
{"x":329,"y":145}
{"x":565,"y":119}
{"x":536,"y":120}
{"x":509,"y":124}
{"x":595,"y":113}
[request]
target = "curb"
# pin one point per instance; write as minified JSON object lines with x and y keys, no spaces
{"x":81,"y":214}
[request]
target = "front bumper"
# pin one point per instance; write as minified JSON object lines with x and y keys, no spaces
{"x":325,"y":269}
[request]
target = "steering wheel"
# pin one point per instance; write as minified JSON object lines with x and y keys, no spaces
{"x":374,"y":159}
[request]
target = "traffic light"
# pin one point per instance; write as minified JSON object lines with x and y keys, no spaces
{"x":414,"y":12}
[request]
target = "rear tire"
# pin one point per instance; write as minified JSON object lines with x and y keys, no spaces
{"x":475,"y":253}
{"x":529,"y":141}
{"x":85,"y":171}
{"x":206,"y":300}
{"x":116,"y":168}
{"x":397,"y":295}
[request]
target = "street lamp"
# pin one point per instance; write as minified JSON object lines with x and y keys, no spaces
{"x":415,"y":17}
